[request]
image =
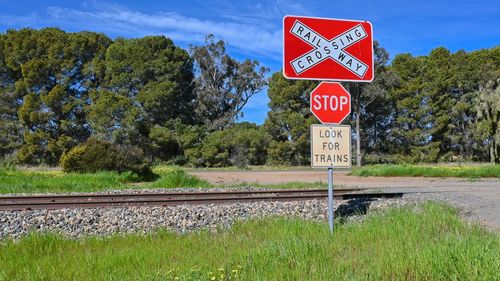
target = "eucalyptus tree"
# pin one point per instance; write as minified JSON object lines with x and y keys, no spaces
{"x":223,"y":84}
{"x":488,"y":112}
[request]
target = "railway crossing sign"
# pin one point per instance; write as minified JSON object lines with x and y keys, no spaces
{"x":327,"y":49}
{"x":330,"y":102}
{"x":330,"y":146}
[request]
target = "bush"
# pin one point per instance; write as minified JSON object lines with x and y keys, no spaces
{"x":240,"y":145}
{"x":172,"y":177}
{"x":96,"y":155}
{"x":8,"y":163}
{"x":377,"y":159}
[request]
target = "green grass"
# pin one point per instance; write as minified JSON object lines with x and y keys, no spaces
{"x":18,"y":181}
{"x":399,"y":244}
{"x":53,"y":180}
{"x":252,"y":168}
{"x":285,"y":185}
{"x":174,"y":177}
{"x":479,"y":171}
{"x":39,"y":181}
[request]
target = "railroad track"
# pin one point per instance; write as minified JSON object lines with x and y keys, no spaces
{"x":175,"y":198}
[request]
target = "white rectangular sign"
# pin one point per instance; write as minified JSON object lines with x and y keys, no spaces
{"x":330,"y":146}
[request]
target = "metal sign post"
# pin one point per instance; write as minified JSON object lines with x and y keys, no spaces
{"x":330,"y":198}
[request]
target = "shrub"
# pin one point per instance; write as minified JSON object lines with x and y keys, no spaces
{"x":374,"y":158}
{"x":239,"y":145}
{"x":96,"y":155}
{"x":8,"y":163}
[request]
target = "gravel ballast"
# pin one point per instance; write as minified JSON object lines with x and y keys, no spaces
{"x":76,"y":223}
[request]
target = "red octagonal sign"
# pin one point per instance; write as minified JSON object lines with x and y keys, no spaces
{"x":330,"y":103}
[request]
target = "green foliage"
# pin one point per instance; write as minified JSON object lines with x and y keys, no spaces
{"x":488,"y":111}
{"x":223,"y":85}
{"x":8,"y":164}
{"x":435,"y":103}
{"x":10,"y":127}
{"x":129,"y":176}
{"x":177,"y":142}
{"x":94,"y":156}
{"x":20,"y":181}
{"x":112,"y":117}
{"x":239,"y":145}
{"x":398,"y":244}
{"x":483,"y":171}
{"x":148,"y":82}
{"x":58,"y":89}
{"x":288,"y":120}
{"x":371,"y":106}
{"x":411,"y":133}
{"x":286,"y":185}
{"x":440,"y":83}
{"x":282,"y":153}
{"x":48,"y":74}
{"x":173,"y":177}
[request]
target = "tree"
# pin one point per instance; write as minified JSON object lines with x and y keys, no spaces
{"x":461,"y":135}
{"x":148,"y":82}
{"x":411,"y":133}
{"x":10,"y":128}
{"x":223,"y":85}
{"x":288,"y":120}
{"x":488,"y":111}
{"x":113,"y":117}
{"x":363,"y":95}
{"x":155,"y":73}
{"x":440,"y":86}
{"x":240,"y":145}
{"x":50,"y":74}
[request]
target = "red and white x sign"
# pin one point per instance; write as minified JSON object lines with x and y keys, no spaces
{"x":327,"y":49}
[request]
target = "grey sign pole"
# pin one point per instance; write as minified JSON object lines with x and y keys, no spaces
{"x":330,"y":198}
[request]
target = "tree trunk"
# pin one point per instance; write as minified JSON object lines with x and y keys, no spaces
{"x":492,"y":152}
{"x":358,"y":141}
{"x":496,"y":150}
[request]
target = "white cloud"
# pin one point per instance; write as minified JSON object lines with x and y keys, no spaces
{"x":249,"y":37}
{"x":9,"y":20}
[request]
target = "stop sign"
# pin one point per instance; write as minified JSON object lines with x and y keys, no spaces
{"x":330,"y":103}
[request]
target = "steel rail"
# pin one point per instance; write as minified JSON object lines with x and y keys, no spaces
{"x":154,"y":194}
{"x":173,"y":199}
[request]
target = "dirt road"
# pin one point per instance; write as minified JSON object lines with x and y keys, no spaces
{"x":341,"y":178}
{"x":478,"y":199}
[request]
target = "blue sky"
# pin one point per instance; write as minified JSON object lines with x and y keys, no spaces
{"x":253,"y":29}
